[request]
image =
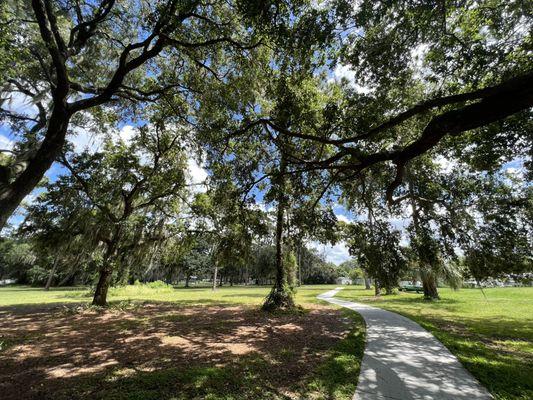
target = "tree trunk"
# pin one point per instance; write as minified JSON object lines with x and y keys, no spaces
{"x":52,"y":272}
{"x":187,"y":278}
{"x":215,"y":277}
{"x":368,"y":285}
{"x":299,"y":253}
{"x":12,"y":194}
{"x":100,"y":294}
{"x":280,"y":296}
{"x":429,"y":283}
{"x":428,"y":277}
{"x":377,"y":289}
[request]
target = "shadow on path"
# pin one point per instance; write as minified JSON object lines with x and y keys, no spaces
{"x":404,"y":361}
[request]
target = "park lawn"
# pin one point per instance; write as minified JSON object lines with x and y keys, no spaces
{"x":166,"y":343}
{"x":253,"y":295}
{"x":492,"y":336}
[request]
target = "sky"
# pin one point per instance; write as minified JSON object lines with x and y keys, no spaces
{"x":337,"y":253}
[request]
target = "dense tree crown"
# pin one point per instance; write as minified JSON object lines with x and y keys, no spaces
{"x":225,"y":136}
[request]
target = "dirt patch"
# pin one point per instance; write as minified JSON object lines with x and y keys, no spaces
{"x":53,"y":354}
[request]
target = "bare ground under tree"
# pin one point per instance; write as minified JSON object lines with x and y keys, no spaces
{"x":163,"y":351}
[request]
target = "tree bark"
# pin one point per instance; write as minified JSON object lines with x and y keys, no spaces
{"x":367,"y":283}
{"x":299,"y":253}
{"x":428,"y":277}
{"x":215,"y":277}
{"x":100,"y":293}
{"x":52,"y":272}
{"x":11,"y":195}
{"x":377,"y":288}
{"x":429,"y":283}
{"x":280,"y":296}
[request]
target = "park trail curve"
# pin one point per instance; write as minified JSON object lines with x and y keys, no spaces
{"x":403,"y":361}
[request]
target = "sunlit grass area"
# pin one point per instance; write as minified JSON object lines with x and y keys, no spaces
{"x":20,"y":295}
{"x":491,"y":333}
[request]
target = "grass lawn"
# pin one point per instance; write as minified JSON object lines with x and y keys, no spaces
{"x":492,"y":336}
{"x":166,"y":343}
{"x":252,"y":295}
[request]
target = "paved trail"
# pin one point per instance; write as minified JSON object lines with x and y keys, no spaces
{"x":403,"y":361}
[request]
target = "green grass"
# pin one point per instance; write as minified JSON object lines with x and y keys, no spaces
{"x":253,"y":295}
{"x":492,"y":336}
{"x":337,"y":377}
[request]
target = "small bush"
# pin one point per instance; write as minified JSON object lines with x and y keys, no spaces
{"x":158,"y":285}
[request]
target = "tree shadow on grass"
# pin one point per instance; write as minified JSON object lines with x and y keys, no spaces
{"x":253,"y":295}
{"x":507,"y":374}
{"x":164,"y":351}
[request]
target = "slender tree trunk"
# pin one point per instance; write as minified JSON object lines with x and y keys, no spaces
{"x":106,"y":271}
{"x":280,"y":271}
{"x":52,"y":272}
{"x":100,"y":294}
{"x":72,"y":270}
{"x":187,"y":279}
{"x":215,"y":277}
{"x":377,"y":288}
{"x":299,"y":254}
{"x":367,"y":283}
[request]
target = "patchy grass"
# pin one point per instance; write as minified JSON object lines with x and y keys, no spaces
{"x":161,"y":343}
{"x":492,"y":335}
{"x":334,"y":379}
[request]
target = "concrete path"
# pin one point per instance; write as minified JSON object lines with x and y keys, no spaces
{"x":403,"y":361}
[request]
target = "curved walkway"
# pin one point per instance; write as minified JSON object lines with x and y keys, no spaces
{"x":403,"y":361}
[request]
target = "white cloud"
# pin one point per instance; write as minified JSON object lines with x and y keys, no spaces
{"x":126,"y":133}
{"x":336,"y":254}
{"x":445,"y":164}
{"x":6,"y":143}
{"x":515,"y":172}
{"x":343,"y":218}
{"x":197,"y":175}
{"x":261,"y":205}
{"x":345,"y":72}
{"x":418,"y":56}
{"x":20,"y":104}
{"x":83,"y":139}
